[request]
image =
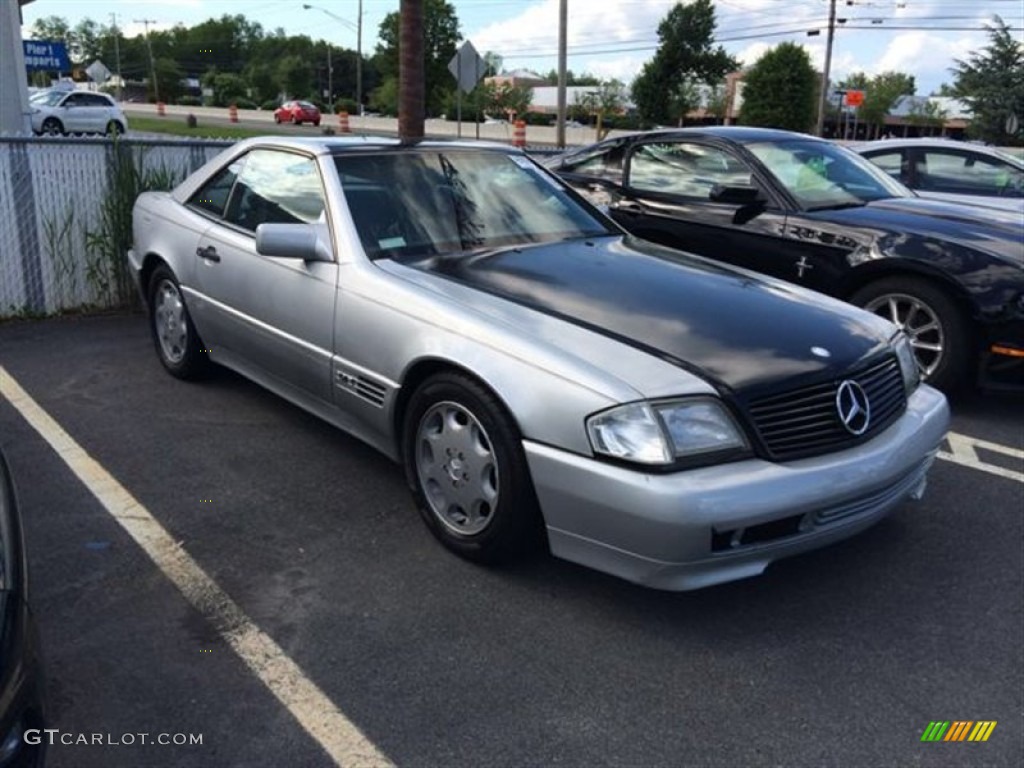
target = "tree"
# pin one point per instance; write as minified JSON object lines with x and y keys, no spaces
{"x":227,"y":87}
{"x":685,"y":58}
{"x":926,"y":113}
{"x":169,"y":76}
{"x":881,"y":92}
{"x":294,"y":76}
{"x":504,"y":98}
{"x":991,"y":83}
{"x":780,"y":90}
{"x":440,"y":40}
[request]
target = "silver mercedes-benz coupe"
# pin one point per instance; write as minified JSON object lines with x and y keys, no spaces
{"x":544,"y":378}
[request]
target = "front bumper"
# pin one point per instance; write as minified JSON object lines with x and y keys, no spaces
{"x":707,"y":526}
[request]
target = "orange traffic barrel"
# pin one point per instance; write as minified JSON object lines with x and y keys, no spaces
{"x":519,"y":134}
{"x":233,"y":113}
{"x":343,"y":123}
{"x":160,"y":109}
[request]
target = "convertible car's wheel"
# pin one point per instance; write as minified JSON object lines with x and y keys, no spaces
{"x":466,"y":467}
{"x":177,"y":344}
{"x":53,"y":127}
{"x":935,"y":325}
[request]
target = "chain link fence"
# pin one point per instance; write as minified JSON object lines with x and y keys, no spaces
{"x":65,"y":216}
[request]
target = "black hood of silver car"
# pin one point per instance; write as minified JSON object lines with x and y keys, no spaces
{"x":740,"y":331}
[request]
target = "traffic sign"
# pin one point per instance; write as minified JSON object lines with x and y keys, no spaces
{"x":98,"y":72}
{"x":854,"y":98}
{"x":467,"y":67}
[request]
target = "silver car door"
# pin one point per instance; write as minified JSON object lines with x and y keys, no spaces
{"x":272,"y":314}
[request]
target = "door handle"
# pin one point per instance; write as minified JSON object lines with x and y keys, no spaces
{"x":209,"y":253}
{"x":628,"y":207}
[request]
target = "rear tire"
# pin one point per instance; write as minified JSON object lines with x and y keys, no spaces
{"x":465,"y":465}
{"x":938,"y":330}
{"x":114,"y":128}
{"x":178,"y":346}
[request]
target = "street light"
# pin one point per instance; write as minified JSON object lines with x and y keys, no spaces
{"x":359,"y":45}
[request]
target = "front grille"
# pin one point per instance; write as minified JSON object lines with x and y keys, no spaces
{"x":805,"y":422}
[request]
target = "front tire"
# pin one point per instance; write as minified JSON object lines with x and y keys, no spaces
{"x":936,"y":326}
{"x":178,"y":345}
{"x":465,"y":464}
{"x":53,"y":127}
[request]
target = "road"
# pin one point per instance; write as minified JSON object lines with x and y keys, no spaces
{"x":377,"y":126}
{"x":841,"y":657}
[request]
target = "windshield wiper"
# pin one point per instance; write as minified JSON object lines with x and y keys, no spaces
{"x":838,"y":206}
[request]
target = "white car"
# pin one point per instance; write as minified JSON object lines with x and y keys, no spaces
{"x":952,"y":170}
{"x":57,"y":112}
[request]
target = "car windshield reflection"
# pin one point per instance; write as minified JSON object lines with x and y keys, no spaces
{"x":822,"y":176}
{"x":419,"y":204}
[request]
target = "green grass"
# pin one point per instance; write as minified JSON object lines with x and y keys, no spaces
{"x":177,"y":127}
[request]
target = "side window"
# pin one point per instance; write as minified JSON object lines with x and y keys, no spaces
{"x":604,"y":165}
{"x":891,"y":163}
{"x":95,"y":100}
{"x":276,"y":187}
{"x":685,"y":168}
{"x":213,"y":196}
{"x":73,"y":100}
{"x":963,"y":173}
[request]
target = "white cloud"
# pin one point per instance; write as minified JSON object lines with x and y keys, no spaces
{"x":613,"y":38}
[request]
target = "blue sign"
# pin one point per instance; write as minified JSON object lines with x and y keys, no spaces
{"x":46,"y":56}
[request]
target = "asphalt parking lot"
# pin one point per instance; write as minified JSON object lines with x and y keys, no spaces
{"x":840,"y":657}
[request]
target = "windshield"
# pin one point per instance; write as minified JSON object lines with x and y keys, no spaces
{"x":425,"y":203}
{"x":47,"y":98}
{"x":822,"y":175}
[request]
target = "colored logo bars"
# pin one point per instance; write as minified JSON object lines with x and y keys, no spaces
{"x":958,"y":730}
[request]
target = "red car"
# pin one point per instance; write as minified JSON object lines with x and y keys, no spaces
{"x":297,"y":112}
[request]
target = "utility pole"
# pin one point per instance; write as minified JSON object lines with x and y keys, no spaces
{"x":823,"y":96}
{"x":563,"y":14}
{"x":359,"y":59}
{"x":152,"y":64}
{"x":117,"y":55}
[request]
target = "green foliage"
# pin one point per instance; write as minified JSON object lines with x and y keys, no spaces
{"x":384,"y":99}
{"x":780,"y":90}
{"x":109,"y":236}
{"x":991,"y":83}
{"x":571,"y":78}
{"x":346,"y":105}
{"x":500,"y":99}
{"x":665,"y":90}
{"x":881,"y":93}
{"x":271,"y":104}
{"x":189,"y":101}
{"x":440,"y":40}
{"x":169,"y":78}
{"x":294,"y":76}
{"x":227,"y":87}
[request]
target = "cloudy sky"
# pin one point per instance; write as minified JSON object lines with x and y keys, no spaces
{"x":613,"y":38}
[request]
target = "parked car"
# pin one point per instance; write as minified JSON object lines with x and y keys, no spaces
{"x":58,"y":111}
{"x":952,"y":170}
{"x":21,"y":684}
{"x":813,"y":213}
{"x":659,"y":416}
{"x":297,"y":112}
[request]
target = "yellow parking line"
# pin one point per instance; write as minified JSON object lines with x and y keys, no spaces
{"x":310,"y":706}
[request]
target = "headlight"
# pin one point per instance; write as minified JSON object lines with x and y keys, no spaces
{"x":663,"y":433}
{"x":908,"y":363}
